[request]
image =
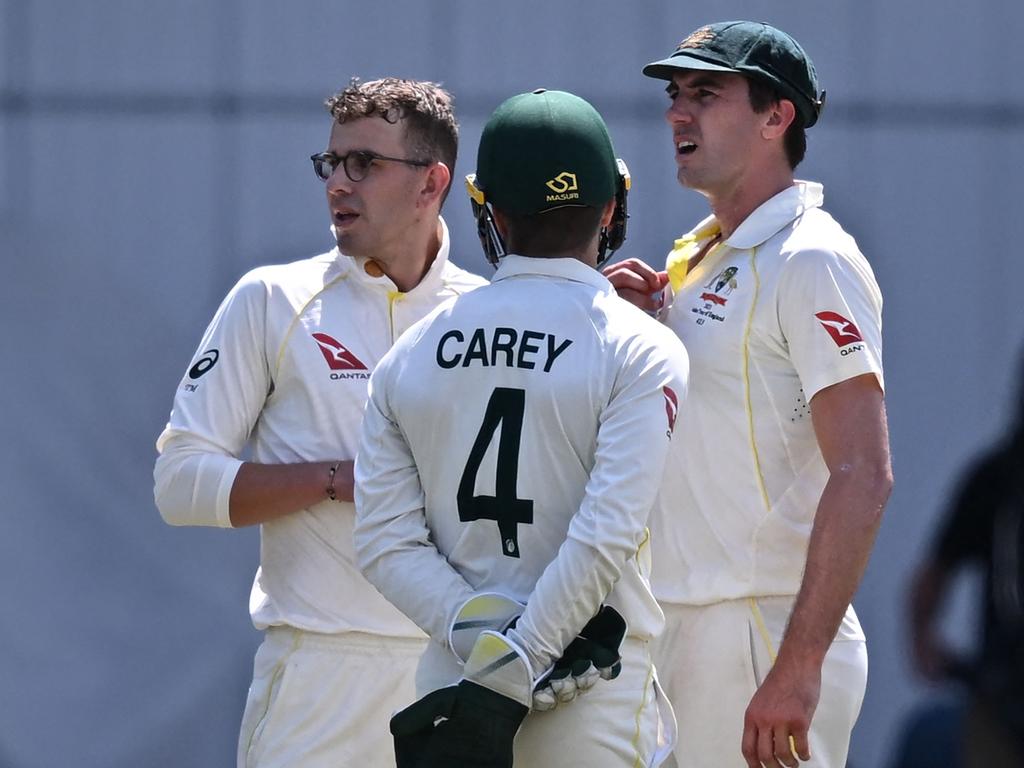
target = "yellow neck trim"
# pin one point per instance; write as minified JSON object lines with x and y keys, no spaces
{"x":677,"y":264}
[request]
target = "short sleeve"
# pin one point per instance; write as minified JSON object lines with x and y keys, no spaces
{"x":830,"y":313}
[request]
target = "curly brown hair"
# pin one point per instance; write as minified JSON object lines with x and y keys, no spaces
{"x":431,"y":130}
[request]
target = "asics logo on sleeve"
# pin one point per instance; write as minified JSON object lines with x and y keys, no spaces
{"x":204,"y":363}
{"x":338,"y":358}
{"x":841,"y":330}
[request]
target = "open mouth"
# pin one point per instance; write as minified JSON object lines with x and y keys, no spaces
{"x":342,"y":219}
{"x":685,"y":147}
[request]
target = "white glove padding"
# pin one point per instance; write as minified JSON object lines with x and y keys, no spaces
{"x":592,"y":656}
{"x":488,"y":610}
{"x":497,"y":663}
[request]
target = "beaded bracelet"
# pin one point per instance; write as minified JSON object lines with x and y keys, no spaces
{"x":331,"y":493}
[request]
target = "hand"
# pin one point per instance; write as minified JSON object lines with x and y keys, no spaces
{"x":472,"y":724}
{"x":779,"y":716}
{"x":462,"y":725}
{"x":592,"y":656}
{"x":638,"y":283}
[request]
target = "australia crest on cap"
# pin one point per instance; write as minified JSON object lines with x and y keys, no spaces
{"x":698,"y":38}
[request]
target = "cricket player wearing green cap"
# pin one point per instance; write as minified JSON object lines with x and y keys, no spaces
{"x":777,"y":483}
{"x":504,"y":476}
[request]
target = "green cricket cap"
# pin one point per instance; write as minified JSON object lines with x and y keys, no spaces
{"x":544,"y":150}
{"x":754,"y":49}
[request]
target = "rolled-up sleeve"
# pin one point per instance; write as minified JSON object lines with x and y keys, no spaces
{"x":215,"y":408}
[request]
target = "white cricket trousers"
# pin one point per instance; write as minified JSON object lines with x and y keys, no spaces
{"x":711,"y":659}
{"x":325,"y":701}
{"x":622,"y":723}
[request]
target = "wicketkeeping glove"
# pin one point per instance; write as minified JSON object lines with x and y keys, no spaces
{"x":472,"y":724}
{"x":592,"y":656}
{"x":488,"y":610}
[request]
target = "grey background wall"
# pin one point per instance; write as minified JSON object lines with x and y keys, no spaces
{"x":150,"y":153}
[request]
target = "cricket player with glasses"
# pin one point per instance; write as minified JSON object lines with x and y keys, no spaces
{"x":509,"y":461}
{"x":283,"y":368}
{"x":769,"y":512}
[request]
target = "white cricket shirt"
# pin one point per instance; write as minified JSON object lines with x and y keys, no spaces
{"x":513,"y":443}
{"x":784,"y":307}
{"x":286,"y":362}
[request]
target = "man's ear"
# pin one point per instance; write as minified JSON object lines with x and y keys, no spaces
{"x":780,"y":116}
{"x":500,"y":223}
{"x":435,"y":183}
{"x":606,"y":214}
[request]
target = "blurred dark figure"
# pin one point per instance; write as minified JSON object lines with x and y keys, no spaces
{"x":983,"y":528}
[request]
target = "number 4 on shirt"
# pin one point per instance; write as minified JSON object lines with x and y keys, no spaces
{"x":506,"y":407}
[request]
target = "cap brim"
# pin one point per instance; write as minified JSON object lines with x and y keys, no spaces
{"x":666,"y":68}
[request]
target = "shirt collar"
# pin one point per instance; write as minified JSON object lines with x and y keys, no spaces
{"x":775,"y":213}
{"x":565,"y":268}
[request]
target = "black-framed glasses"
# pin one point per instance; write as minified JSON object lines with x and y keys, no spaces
{"x":356,"y":163}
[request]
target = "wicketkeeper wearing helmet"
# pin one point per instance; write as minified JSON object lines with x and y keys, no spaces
{"x":509,"y":460}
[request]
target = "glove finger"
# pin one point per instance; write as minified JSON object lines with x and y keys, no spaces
{"x":564,"y":689}
{"x":610,"y":673}
{"x":544,"y":699}
{"x":606,"y":661}
{"x":560,"y":671}
{"x":586,"y":678}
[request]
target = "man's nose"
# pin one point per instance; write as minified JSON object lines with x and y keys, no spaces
{"x":338,"y":183}
{"x":678,"y":112}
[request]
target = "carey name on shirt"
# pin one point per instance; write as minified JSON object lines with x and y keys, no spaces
{"x":509,"y":347}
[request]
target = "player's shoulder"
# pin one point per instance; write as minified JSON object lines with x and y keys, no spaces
{"x":815,"y":234}
{"x":629,"y":324}
{"x":414,"y":334}
{"x":816,"y":242}
{"x":459,"y":280}
{"x":301,"y":271}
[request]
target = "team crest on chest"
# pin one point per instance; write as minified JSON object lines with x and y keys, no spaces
{"x":716,"y":295}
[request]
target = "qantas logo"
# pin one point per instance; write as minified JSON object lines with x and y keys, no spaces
{"x":337,"y":357}
{"x":841,"y":330}
{"x":671,"y":408}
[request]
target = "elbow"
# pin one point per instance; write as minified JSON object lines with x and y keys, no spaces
{"x":170,"y":501}
{"x":867,"y":485}
{"x":193,"y":487}
{"x":164,"y":497}
{"x":876,"y":483}
{"x":881,"y":483}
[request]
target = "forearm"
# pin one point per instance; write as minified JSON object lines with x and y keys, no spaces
{"x":393,"y":545}
{"x":567,"y":596}
{"x":845,"y":526}
{"x":264,"y":492}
